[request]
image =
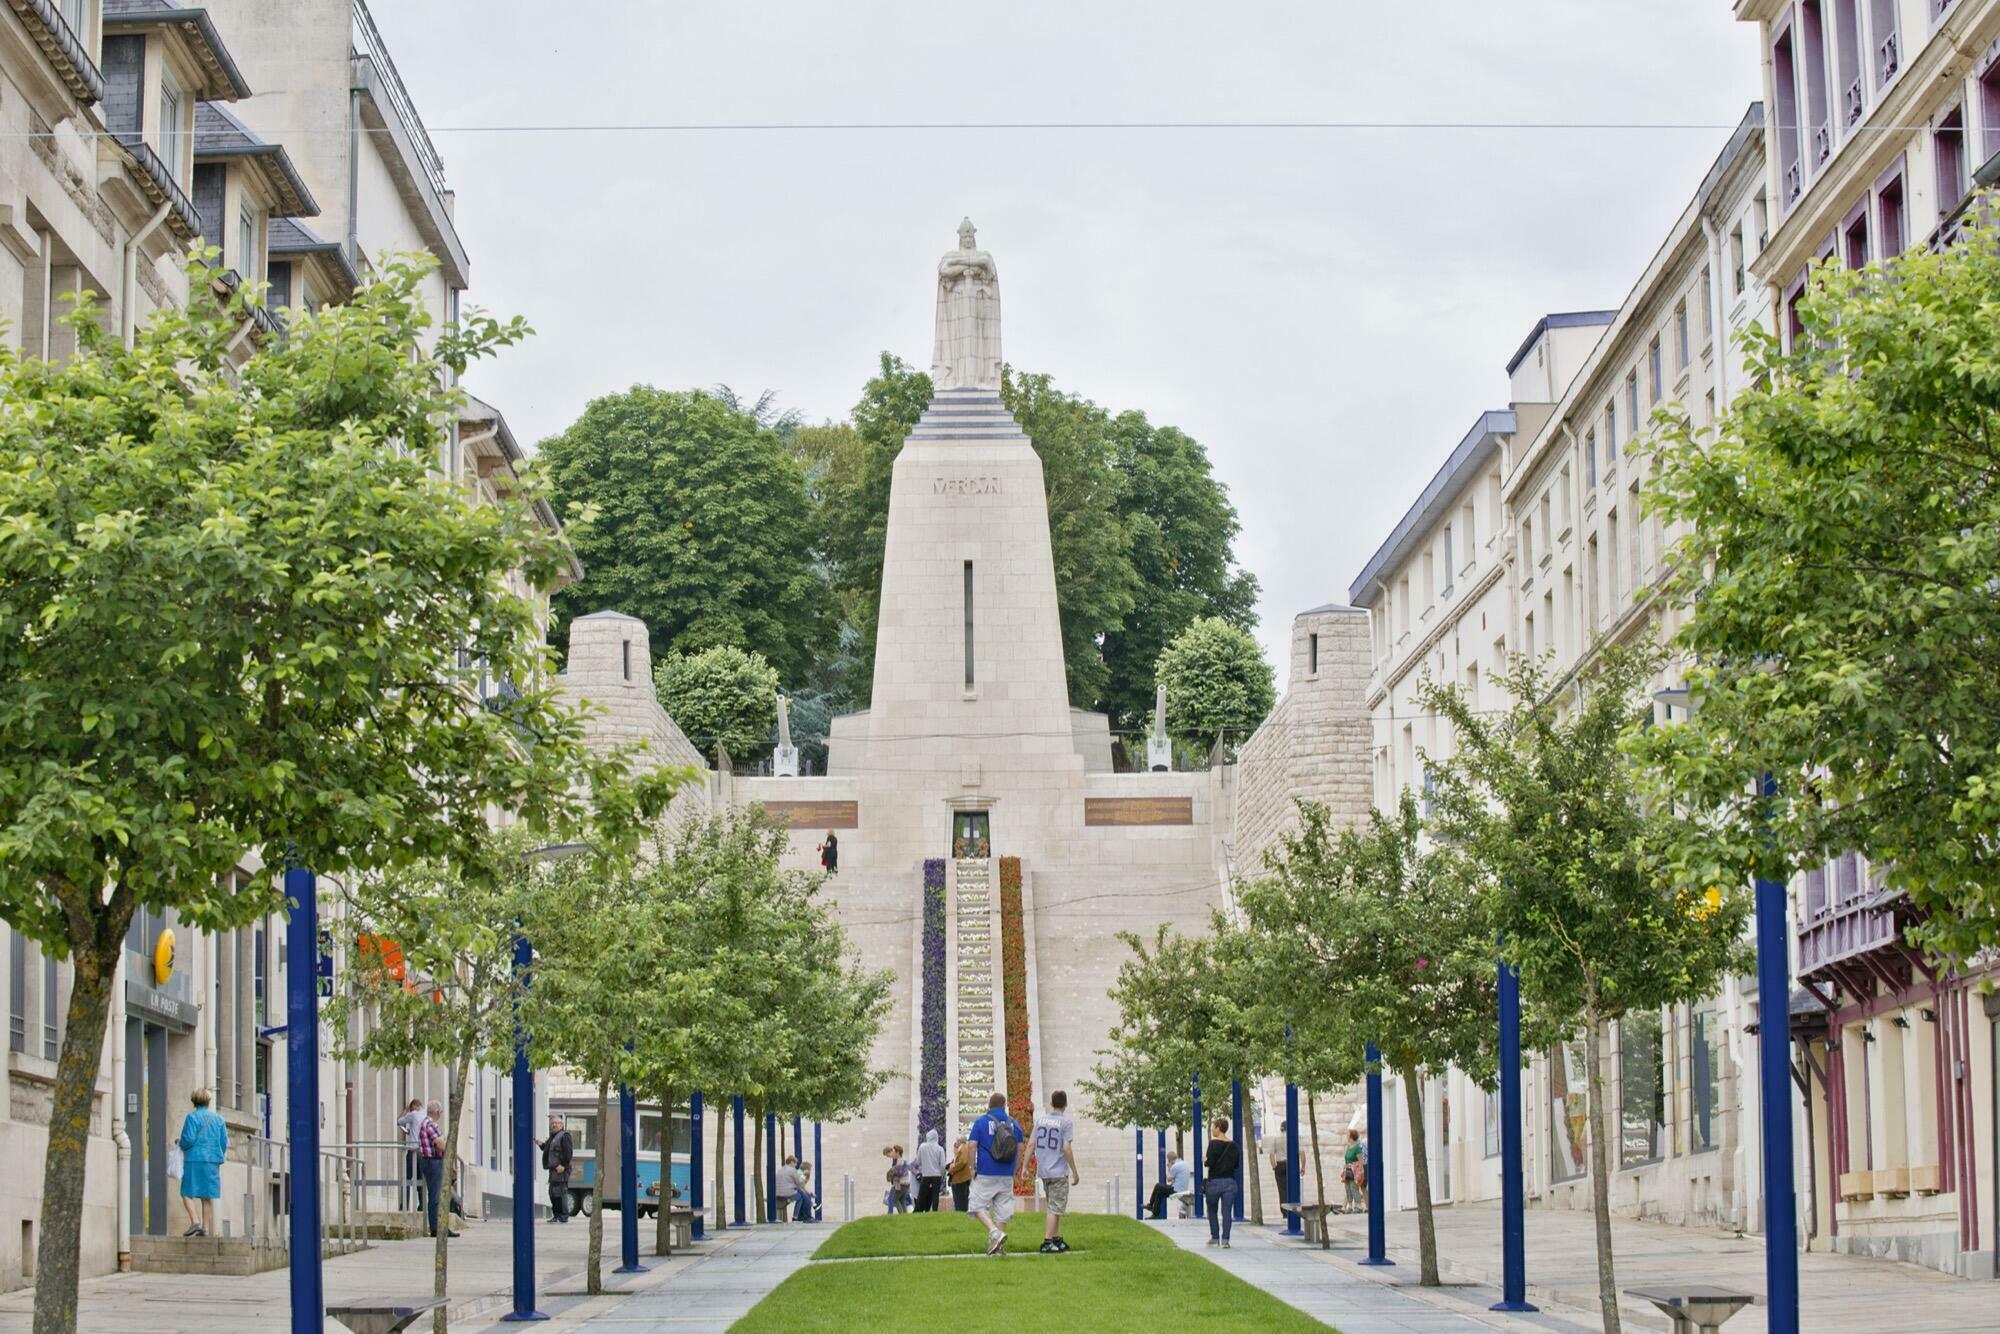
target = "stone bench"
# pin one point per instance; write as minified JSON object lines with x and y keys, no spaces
{"x":1694,"y":1308}
{"x":1314,"y":1218}
{"x":382,"y":1317}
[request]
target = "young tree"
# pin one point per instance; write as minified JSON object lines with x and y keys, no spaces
{"x":233,"y":608}
{"x":698,"y":525}
{"x":1402,"y":949}
{"x":1546,"y":804}
{"x":720,"y":695}
{"x":1842,"y":548}
{"x":1218,"y":684}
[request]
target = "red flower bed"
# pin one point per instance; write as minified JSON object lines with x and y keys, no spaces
{"x":1014,"y":1012}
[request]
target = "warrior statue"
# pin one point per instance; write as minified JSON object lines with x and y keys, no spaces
{"x":967,"y":352}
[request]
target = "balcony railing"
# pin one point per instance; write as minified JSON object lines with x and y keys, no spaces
{"x":1888,"y":59}
{"x":368,"y":42}
{"x":1822,"y":145}
{"x":1793,"y":181}
{"x":1854,"y":102}
{"x":1847,"y":914}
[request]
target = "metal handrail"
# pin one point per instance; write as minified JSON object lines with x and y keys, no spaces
{"x":368,"y":42}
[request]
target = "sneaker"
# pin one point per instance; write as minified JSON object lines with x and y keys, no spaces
{"x":1225,"y":1245}
{"x":1062,"y":1247}
{"x":1214,"y":1241}
{"x":1048,"y":1246}
{"x":194,"y":1231}
{"x":995,"y":1239}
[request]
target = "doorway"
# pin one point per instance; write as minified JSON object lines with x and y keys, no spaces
{"x":971,"y":836}
{"x":146,"y":1123}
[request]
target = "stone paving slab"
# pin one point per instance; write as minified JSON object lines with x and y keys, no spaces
{"x":1838,"y":1292}
{"x":714,"y":1289}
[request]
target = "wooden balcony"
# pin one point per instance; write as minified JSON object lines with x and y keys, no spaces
{"x":1850,"y":931}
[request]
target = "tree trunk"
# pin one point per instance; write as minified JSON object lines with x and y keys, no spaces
{"x":1600,"y":1171}
{"x":1420,"y":1162}
{"x":721,"y":1209}
{"x":1251,"y":1171}
{"x":461,"y":1073}
{"x":663,"y":1217}
{"x":758,"y":1193}
{"x":56,"y":1254}
{"x":594,"y":1262}
{"x":1319,"y":1168}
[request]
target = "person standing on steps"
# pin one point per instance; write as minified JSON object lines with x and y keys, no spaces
{"x":930,"y":1166}
{"x":996,"y":1138}
{"x":1222,"y":1161}
{"x":407,"y":1125}
{"x":964,"y":1164}
{"x":204,"y":1143}
{"x":1055,"y":1164}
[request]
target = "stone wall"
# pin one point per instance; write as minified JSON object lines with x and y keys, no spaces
{"x":610,"y":668}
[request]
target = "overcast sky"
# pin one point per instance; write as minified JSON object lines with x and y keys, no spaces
{"x":1327,"y":310}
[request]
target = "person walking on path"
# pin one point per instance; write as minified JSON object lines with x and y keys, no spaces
{"x":897,"y":1197}
{"x":407,"y":1125}
{"x":204,"y":1143}
{"x":829,"y":854}
{"x":558,"y":1154}
{"x":930,"y":1167}
{"x":805,"y":1195}
{"x":964,"y":1164}
{"x":430,"y":1160}
{"x":1055,"y":1164}
{"x":1222,"y":1161}
{"x":996,"y":1138}
{"x":1354,"y":1172}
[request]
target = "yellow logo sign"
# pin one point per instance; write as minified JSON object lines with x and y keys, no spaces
{"x":163,"y":956}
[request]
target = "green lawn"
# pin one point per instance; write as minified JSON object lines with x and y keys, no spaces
{"x":1119,"y":1275}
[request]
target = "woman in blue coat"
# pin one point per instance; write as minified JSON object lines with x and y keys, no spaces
{"x":204,"y":1143}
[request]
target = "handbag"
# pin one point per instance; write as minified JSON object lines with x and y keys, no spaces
{"x":176,"y":1160}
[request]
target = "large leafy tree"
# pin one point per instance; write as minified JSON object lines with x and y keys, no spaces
{"x":696,"y":523}
{"x":1218,"y":685}
{"x":1842,"y":548}
{"x":721,"y":695}
{"x":1544,"y":804}
{"x":1383,"y":932}
{"x":234,"y":605}
{"x":1182,"y":531}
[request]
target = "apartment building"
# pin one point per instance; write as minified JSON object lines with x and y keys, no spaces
{"x":1886,"y":120}
{"x":130,"y":131}
{"x":1534,"y":539}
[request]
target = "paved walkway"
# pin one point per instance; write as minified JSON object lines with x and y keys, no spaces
{"x":1838,"y":1292}
{"x":715,"y":1288}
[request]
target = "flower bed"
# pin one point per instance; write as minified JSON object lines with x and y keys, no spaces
{"x":931,"y":1070}
{"x":1014,"y":1010}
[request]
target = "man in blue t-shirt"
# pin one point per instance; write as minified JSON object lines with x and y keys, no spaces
{"x":997,"y":1138}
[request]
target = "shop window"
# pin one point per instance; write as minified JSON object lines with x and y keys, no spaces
{"x":1705,"y":1078}
{"x":1569,"y":1111}
{"x":1642,"y":1090}
{"x":1492,"y":1147}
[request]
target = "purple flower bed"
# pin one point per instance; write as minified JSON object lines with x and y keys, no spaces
{"x":931,"y":1074}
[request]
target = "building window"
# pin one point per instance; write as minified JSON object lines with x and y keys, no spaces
{"x":1492,"y":1119}
{"x":1548,"y":531}
{"x":1448,"y":565}
{"x":1564,"y":501}
{"x":1528,"y":548}
{"x":1591,"y":579}
{"x":1847,"y":62}
{"x":1610,"y":433}
{"x":1681,"y":356}
{"x":1888,"y":53}
{"x":1813,"y":56}
{"x":625,"y":658}
{"x":51,"y":1008}
{"x":1312,"y":655}
{"x":968,"y":625}
{"x":1655,"y":372}
{"x":1892,"y":231}
{"x":1611,"y":565}
{"x":1590,"y":458}
{"x":1989,"y":109}
{"x":250,"y":229}
{"x":76,"y":13}
{"x":1705,"y":1079}
{"x":1632,"y":514}
{"x":1632,"y":398}
{"x":1569,"y":1111}
{"x":1707,"y":306}
{"x":1528,"y":634}
{"x":1642,"y":1090}
{"x":173,"y":127}
{"x":1948,"y":147}
{"x":1854,"y":239}
{"x":1737,"y":278}
{"x":1784,"y":77}
{"x":17,"y":990}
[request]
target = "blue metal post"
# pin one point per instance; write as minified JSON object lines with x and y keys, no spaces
{"x":628,"y":1181}
{"x":308,"y":1278}
{"x":695,"y":1173}
{"x":1293,"y":1226}
{"x":1378,"y":1223}
{"x":1163,"y":1153}
{"x":770,"y":1167}
{"x":1138,"y":1172}
{"x":1242,"y":1140}
{"x":798,"y":1137}
{"x":1513,"y":1190}
{"x":819,"y":1177}
{"x":525,"y":1161}
{"x":736,"y":1218}
{"x":1200,"y":1209}
{"x":1774,"y":1009}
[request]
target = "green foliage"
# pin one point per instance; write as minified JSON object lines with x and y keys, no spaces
{"x":690,"y":514}
{"x":1543,"y":808}
{"x":1838,"y":588}
{"x":1218,"y":684}
{"x":720,"y":694}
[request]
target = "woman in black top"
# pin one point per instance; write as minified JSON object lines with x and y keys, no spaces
{"x":1222,"y":1161}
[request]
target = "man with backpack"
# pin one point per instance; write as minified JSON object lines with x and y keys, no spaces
{"x":996,"y":1137}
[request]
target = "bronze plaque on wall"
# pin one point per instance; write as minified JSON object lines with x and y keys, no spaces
{"x":805,"y":815}
{"x":1101,"y":811}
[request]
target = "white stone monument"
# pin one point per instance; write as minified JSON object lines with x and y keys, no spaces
{"x":785,"y":759}
{"x":966,"y":351}
{"x":1159,"y":750}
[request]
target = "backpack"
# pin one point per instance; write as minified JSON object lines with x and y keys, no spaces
{"x":1002,"y":1146}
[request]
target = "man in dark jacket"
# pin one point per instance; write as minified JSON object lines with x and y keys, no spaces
{"x":558,"y":1151}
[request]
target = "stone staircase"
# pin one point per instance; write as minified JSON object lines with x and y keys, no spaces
{"x":978,"y":1031}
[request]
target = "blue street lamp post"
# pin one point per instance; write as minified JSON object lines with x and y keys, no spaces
{"x":1292,"y":1224}
{"x":1194,"y":1087}
{"x":628,"y":1182}
{"x":819,"y":1177}
{"x":1163,"y":1154}
{"x":524,"y":1158}
{"x":1513,"y":1194}
{"x":1236,"y":1115}
{"x":695,"y":1201}
{"x":736,"y":1218}
{"x":1378,"y":1223}
{"x":308,"y":1279}
{"x":1774,"y":1012}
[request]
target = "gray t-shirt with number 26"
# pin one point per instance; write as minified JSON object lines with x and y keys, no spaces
{"x":1052,"y":1131}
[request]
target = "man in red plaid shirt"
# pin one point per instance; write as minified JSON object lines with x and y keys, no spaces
{"x":430,"y":1162}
